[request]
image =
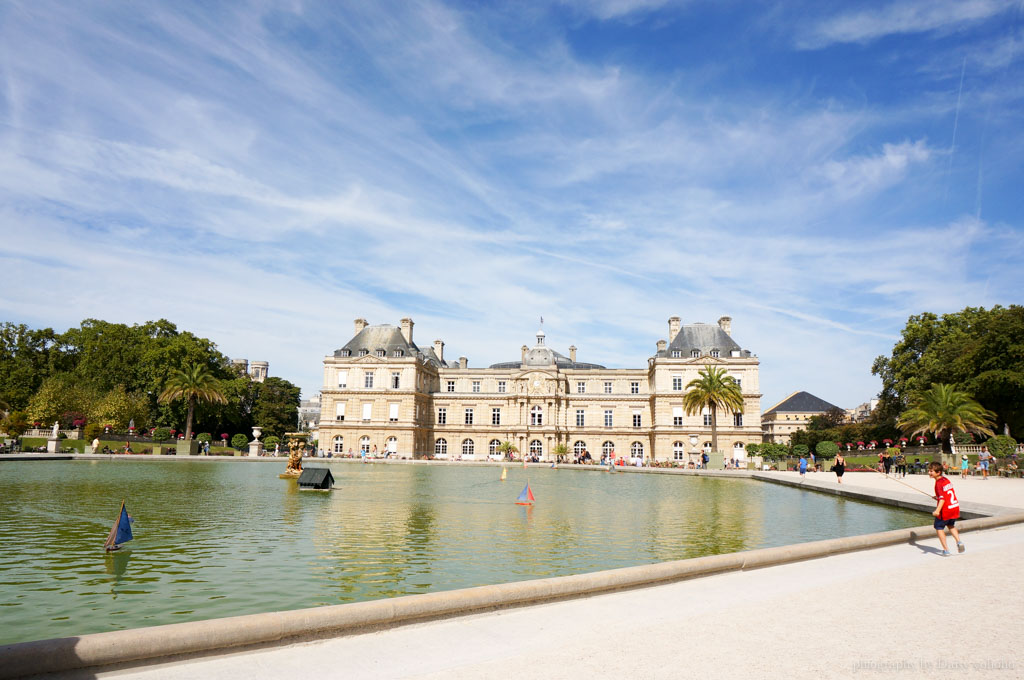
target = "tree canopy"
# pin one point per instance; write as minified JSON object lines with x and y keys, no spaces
{"x":941,"y":410}
{"x":975,"y":350}
{"x":713,"y":389}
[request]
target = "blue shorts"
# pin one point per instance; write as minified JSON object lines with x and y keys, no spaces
{"x":984,"y":465}
{"x":941,"y":524}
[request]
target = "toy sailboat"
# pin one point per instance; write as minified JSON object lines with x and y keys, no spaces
{"x":121,"y":532}
{"x":526,"y":496}
{"x":504,"y":474}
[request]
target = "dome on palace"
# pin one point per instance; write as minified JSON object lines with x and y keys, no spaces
{"x":542,"y":356}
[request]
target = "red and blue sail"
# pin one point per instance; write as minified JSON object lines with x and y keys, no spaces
{"x":121,"y":532}
{"x":525,"y":496}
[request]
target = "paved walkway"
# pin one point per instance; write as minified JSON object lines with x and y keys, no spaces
{"x":897,"y":611}
{"x":993,"y":491}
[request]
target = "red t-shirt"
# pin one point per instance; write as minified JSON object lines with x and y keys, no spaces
{"x":944,"y":490}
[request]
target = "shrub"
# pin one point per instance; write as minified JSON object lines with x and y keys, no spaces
{"x":92,"y":431}
{"x":753,"y":449}
{"x":826,"y":449}
{"x":239,"y":441}
{"x":161,"y":434}
{"x":963,"y":438}
{"x":801,"y":450}
{"x":15,"y":423}
{"x":1001,"y":446}
{"x":770,"y":451}
{"x":203,"y":437}
{"x":271,"y":441}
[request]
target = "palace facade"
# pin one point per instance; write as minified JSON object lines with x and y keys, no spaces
{"x":383,"y":392}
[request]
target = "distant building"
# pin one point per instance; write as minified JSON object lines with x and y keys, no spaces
{"x":791,"y":414}
{"x":383,"y":392}
{"x":257,"y":370}
{"x":859,"y":414}
{"x":309,"y":413}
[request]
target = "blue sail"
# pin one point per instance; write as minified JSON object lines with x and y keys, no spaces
{"x":121,"y":531}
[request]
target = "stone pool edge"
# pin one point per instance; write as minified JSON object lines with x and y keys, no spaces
{"x":234,"y":633}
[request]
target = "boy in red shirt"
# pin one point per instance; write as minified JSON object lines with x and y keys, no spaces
{"x":947,"y":511}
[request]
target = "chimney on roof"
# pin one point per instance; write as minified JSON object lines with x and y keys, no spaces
{"x":725,"y":323}
{"x":407,"y":329}
{"x":360,"y":325}
{"x":463,"y":362}
{"x":439,"y":350}
{"x":661,"y":346}
{"x":572,"y":353}
{"x":673,"y":328}
{"x":525,"y":349}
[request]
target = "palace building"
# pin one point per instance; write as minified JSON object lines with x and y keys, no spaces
{"x":383,"y":392}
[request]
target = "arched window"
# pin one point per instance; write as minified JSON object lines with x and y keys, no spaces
{"x":536,"y":448}
{"x":392,"y":445}
{"x":738,"y":451}
{"x":339,"y":444}
{"x":467,"y":447}
{"x":441,"y":447}
{"x":492,"y":447}
{"x":636,"y":450}
{"x":364,"y":444}
{"x":707,"y":447}
{"x":607,"y":449}
{"x":579,"y":447}
{"x":678,"y":451}
{"x":536,"y":416}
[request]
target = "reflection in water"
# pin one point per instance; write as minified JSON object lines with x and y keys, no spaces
{"x":223,"y":539}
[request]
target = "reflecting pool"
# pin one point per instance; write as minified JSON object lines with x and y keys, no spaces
{"x":226,"y":538}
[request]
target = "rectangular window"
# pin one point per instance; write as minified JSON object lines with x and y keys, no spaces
{"x":608,"y":418}
{"x":442,"y":416}
{"x":367,"y":410}
{"x":677,"y":383}
{"x":393,"y":413}
{"x":737,"y":419}
{"x":501,"y":386}
{"x":342,"y":379}
{"x":469,"y":416}
{"x":634,"y":387}
{"x":707,"y":420}
{"x":580,"y":417}
{"x":739,"y":382}
{"x":608,"y":387}
{"x":581,"y":387}
{"x":677,"y":416}
{"x":451,"y":385}
{"x":495,"y":416}
{"x":676,"y":354}
{"x":339,"y":411}
{"x":637,"y":419}
{"x":396,"y":379}
{"x":476,"y":386}
{"x":368,"y":380}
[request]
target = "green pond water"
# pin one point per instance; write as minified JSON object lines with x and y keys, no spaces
{"x":219,"y":539}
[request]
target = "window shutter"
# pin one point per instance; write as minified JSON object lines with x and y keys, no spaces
{"x":340,"y":410}
{"x":366,"y":411}
{"x":677,"y":411}
{"x":393,"y":411}
{"x":342,"y":378}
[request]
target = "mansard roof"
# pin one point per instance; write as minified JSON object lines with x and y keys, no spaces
{"x":703,"y":337}
{"x":801,"y":402}
{"x":561,"y":361}
{"x":388,"y":338}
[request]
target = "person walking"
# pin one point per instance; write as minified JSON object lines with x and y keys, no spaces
{"x":964,"y":465}
{"x":947,"y":510}
{"x":984,"y":458}
{"x":839,"y":467}
{"x":803,"y":467}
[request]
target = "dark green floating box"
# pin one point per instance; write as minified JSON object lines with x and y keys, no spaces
{"x":316,"y":479}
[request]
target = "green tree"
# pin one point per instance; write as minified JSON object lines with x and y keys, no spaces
{"x":832,"y":418}
{"x":193,"y":384}
{"x":1001,"y":446}
{"x":119,"y":408}
{"x":978,"y":351}
{"x":944,"y":409}
{"x":560,"y":451}
{"x":508,"y":449}
{"x":15,"y":423}
{"x":713,"y":389}
{"x":27,"y":358}
{"x":276,"y":406}
{"x":826,"y":449}
{"x":60,"y":393}
{"x":239,"y":441}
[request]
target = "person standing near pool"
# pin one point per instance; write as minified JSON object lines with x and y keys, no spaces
{"x":964,"y":464}
{"x":803,"y":466}
{"x":839,"y":467}
{"x":983,"y":459}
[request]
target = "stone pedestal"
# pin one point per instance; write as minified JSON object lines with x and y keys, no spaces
{"x":255,"y":448}
{"x":186,"y":448}
{"x":52,"y":445}
{"x":157,"y":450}
{"x":716,"y":460}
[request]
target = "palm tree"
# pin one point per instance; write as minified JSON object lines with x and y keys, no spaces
{"x":942,"y":410}
{"x":714,"y":389}
{"x":193,"y":384}
{"x":507,"y":448}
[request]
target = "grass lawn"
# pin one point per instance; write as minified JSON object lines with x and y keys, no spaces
{"x":34,"y":443}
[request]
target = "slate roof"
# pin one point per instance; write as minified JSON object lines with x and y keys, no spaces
{"x":561,"y":361}
{"x":704,"y":337}
{"x":388,"y":338}
{"x":801,"y":402}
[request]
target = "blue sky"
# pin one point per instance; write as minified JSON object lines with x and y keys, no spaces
{"x":264,"y":173}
